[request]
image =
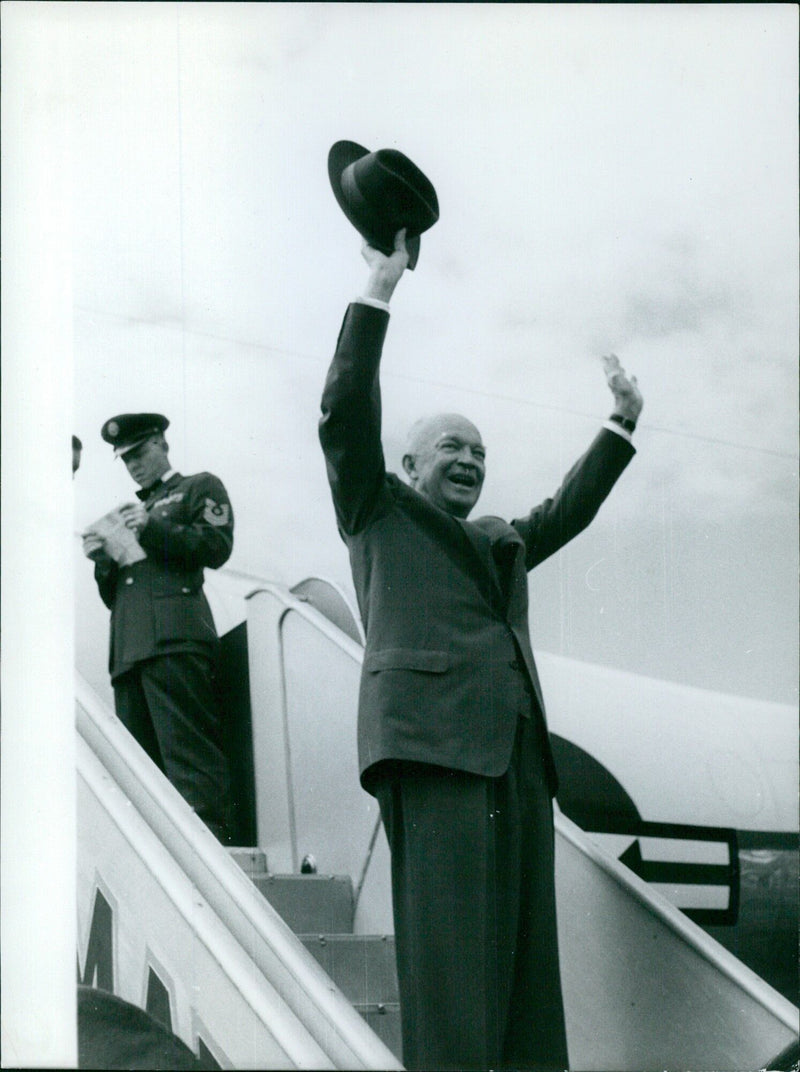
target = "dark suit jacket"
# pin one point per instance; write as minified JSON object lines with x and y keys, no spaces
{"x":158,"y":605}
{"x":448,"y":666}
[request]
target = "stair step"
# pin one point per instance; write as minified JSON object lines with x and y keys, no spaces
{"x":251,"y":861}
{"x":310,"y":904}
{"x":320,"y":909}
{"x":362,"y":965}
{"x":385,"y":1022}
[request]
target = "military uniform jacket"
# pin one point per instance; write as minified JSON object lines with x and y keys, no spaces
{"x":448,"y":667}
{"x":158,"y":605}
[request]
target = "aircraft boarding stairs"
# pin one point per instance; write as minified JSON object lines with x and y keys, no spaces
{"x":255,"y":964}
{"x":320,"y":910}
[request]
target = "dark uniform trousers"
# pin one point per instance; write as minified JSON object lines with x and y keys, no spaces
{"x":170,"y":706}
{"x":473,"y":887}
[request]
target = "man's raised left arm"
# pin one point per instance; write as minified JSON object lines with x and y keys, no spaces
{"x":556,"y":521}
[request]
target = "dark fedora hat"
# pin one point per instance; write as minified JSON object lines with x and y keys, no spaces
{"x":381,"y":192}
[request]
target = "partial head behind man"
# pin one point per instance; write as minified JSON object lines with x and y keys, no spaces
{"x":445,"y":460}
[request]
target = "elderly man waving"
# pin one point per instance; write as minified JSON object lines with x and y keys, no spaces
{"x":452,"y":734}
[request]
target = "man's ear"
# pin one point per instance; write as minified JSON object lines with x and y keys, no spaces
{"x":409,"y":464}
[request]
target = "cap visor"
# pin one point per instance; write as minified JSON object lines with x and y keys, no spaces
{"x":119,"y":452}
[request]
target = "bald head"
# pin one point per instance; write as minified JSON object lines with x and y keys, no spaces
{"x":426,"y":430}
{"x":445,"y":462}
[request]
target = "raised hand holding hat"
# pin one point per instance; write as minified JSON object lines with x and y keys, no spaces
{"x":382,"y":192}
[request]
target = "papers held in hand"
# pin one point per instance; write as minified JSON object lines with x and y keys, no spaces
{"x":118,"y":540}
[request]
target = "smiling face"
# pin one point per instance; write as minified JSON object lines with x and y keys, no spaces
{"x":148,"y":461}
{"x":446,"y":462}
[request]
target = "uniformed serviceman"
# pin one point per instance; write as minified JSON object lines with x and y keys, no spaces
{"x":164,"y":643}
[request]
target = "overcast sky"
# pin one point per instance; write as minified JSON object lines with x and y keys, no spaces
{"x":609,"y":177}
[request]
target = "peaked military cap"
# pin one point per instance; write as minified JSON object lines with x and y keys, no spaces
{"x":128,"y":430}
{"x":381,"y":192}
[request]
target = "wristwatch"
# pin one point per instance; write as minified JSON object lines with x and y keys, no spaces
{"x":625,"y":422}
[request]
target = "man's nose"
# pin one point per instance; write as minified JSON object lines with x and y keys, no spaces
{"x":466,"y":457}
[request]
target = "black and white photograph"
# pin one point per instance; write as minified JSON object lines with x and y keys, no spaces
{"x":402,"y":672}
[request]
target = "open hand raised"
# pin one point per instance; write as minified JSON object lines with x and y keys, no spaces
{"x":627,"y":396}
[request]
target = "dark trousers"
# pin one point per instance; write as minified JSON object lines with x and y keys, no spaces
{"x":475,"y":917}
{"x":170,"y":706}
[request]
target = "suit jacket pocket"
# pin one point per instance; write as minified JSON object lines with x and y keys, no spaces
{"x":430,"y":662}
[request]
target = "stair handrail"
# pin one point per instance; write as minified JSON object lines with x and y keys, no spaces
{"x":691,"y":933}
{"x":290,"y":968}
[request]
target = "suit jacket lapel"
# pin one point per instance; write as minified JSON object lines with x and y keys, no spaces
{"x":483,"y":572}
{"x":480,"y":540}
{"x":468,"y":547}
{"x":506,"y":551}
{"x":482,"y":545}
{"x":506,"y":543}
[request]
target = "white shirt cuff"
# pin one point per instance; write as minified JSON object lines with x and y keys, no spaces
{"x":376,"y":303}
{"x":612,"y":426}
